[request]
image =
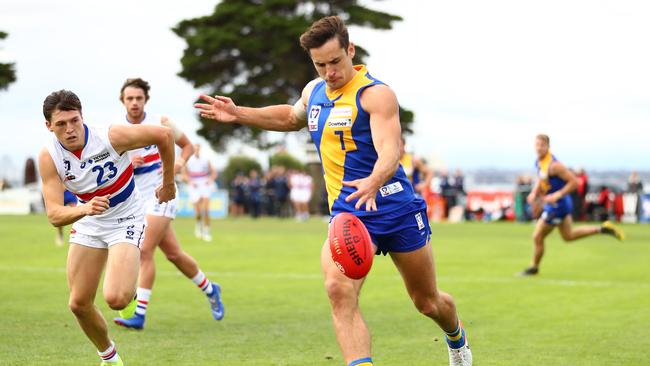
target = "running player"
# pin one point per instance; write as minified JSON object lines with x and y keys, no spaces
{"x":554,"y":184}
{"x":353,"y":120}
{"x":200,"y":176}
{"x":159,"y":232}
{"x":109,"y":222}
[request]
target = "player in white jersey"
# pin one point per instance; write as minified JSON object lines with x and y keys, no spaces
{"x":301,"y":186}
{"x":158,"y":232}
{"x":200,"y":176}
{"x":108,"y":222}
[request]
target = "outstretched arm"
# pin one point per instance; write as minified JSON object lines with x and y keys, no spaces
{"x":381,"y":103}
{"x":57,"y":213}
{"x":129,"y":137}
{"x":273,"y":118}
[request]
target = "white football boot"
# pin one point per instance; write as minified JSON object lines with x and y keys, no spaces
{"x":461,"y":356}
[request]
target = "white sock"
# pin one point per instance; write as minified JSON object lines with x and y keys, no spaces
{"x":110,"y":355}
{"x":144,"y":294}
{"x":203,"y":282}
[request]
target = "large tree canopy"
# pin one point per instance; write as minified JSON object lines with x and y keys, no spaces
{"x":7,"y":71}
{"x":249,"y":50}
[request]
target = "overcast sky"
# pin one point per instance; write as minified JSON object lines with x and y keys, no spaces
{"x":483,"y":77}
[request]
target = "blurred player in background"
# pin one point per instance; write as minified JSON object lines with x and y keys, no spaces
{"x":553,"y":187}
{"x":353,"y":120}
{"x":301,"y":186}
{"x":69,"y":199}
{"x":109,"y":222}
{"x":159,"y":232}
{"x":200,"y":176}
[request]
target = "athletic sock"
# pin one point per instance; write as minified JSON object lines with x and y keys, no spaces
{"x":110,"y":355}
{"x":143,"y":296}
{"x":203,"y":283}
{"x":362,"y":362}
{"x":456,"y":339}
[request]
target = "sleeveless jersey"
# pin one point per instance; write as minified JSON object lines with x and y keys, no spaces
{"x":340,"y":129}
{"x":198,"y":169}
{"x":98,"y":170}
{"x":549,"y":184}
{"x":148,"y":175}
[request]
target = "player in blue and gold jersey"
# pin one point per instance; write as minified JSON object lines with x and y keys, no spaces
{"x":554,"y":184}
{"x":353,"y":119}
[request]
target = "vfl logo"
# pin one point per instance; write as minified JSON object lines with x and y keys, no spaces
{"x":312,"y":121}
{"x":122,"y":219}
{"x":418,"y":218}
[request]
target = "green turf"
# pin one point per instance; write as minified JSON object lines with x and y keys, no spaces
{"x":589,"y":306}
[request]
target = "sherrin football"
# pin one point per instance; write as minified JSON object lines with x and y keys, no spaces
{"x":350,"y":245}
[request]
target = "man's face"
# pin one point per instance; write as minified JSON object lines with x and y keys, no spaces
{"x":333,"y":63}
{"x":68,"y":128}
{"x":134,"y":100}
{"x":541,"y":148}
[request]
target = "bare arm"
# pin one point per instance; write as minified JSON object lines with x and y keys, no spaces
{"x":129,"y":137}
{"x":57,"y":213}
{"x":181,"y":140}
{"x":213,"y":172}
{"x":535,"y":192}
{"x":273,"y":118}
{"x":381,"y":103}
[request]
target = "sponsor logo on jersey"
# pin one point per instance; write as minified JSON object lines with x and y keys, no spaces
{"x":389,"y":189}
{"x":122,"y":219}
{"x":100,"y":157}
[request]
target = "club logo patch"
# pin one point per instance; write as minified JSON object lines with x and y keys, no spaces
{"x":312,"y":121}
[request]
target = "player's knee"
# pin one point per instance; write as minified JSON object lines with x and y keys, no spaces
{"x":340,"y":292}
{"x":80,"y":307}
{"x":146,"y":254}
{"x":118,"y":301}
{"x":427,"y":305}
{"x":566,"y":236}
{"x":173,"y":256}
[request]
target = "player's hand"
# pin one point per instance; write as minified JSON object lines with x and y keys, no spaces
{"x":219,"y":108}
{"x":552,"y":198}
{"x":366,"y":192}
{"x":166,"y":192}
{"x":136,"y":161}
{"x":97,"y":205}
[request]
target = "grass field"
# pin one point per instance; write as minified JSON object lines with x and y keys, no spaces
{"x":589,"y":306}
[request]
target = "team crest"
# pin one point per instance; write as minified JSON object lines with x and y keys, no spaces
{"x":312,"y":121}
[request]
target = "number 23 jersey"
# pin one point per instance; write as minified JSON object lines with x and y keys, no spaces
{"x":98,"y":170}
{"x":340,"y":129}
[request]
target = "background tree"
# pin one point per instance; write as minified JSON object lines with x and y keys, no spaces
{"x":239,"y":165}
{"x":7,"y":72}
{"x":286,"y":160}
{"x":249,"y":50}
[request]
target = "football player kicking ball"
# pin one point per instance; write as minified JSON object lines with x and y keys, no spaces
{"x":108,"y":221}
{"x":554,"y":184}
{"x":353,"y":119}
{"x":158,"y":232}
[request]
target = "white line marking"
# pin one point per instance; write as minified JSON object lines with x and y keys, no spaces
{"x":318,"y":276}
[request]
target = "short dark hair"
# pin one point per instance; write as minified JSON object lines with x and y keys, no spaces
{"x":322,"y":31}
{"x":136,"y":83}
{"x":544,"y":138}
{"x":63,"y":100}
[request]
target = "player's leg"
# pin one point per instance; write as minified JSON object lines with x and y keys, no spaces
{"x":84,"y":268}
{"x":541,"y":231}
{"x":569,"y":233}
{"x":351,"y":330}
{"x":204,"y":203}
{"x":189,"y":267}
{"x":121,"y":274}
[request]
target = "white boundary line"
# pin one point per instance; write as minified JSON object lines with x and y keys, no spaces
{"x":318,"y":276}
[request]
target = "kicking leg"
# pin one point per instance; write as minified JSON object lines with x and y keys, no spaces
{"x":542,"y":229}
{"x":351,"y":330}
{"x":570,"y":233}
{"x":418,"y":272}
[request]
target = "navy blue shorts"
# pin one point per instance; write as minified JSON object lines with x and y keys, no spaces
{"x":403,"y":230}
{"x":554,"y":214}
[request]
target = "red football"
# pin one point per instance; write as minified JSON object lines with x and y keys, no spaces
{"x":350,"y":245}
